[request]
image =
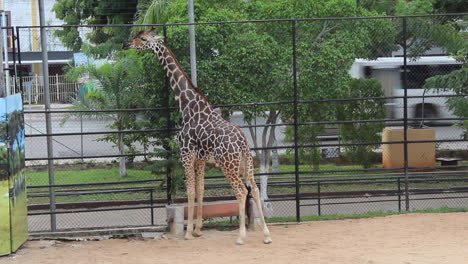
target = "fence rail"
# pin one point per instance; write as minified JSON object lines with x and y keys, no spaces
{"x":62,"y":90}
{"x":324,"y":174}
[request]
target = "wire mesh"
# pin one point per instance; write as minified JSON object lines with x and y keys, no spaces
{"x":347,"y":118}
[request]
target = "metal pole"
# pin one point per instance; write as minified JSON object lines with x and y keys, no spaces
{"x":168,"y":126}
{"x":399,"y":196}
{"x":50,"y":151}
{"x":15,"y":69}
{"x":296,"y":150}
{"x":5,"y":55}
{"x":3,"y":91}
{"x":319,"y":200}
{"x":405,"y":116}
{"x":152,"y":207}
{"x":193,"y":55}
{"x":81,"y":137}
{"x":20,"y":74}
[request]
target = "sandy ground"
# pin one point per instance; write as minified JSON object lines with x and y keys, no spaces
{"x":406,"y":239}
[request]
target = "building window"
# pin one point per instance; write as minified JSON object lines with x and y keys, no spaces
{"x":417,"y":74}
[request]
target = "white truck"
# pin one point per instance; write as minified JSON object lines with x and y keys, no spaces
{"x":389,"y":70}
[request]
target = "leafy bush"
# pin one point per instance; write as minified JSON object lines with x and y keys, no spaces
{"x":367,"y":109}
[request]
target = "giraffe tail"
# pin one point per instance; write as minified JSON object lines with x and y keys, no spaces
{"x":246,"y":160}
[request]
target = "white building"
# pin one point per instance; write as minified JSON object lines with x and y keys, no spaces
{"x":25,"y":13}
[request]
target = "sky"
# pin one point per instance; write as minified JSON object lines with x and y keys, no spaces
{"x":8,"y":105}
{"x":13,"y":103}
{"x":2,"y":109}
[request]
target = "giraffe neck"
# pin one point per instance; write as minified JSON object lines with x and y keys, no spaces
{"x":191,"y":100}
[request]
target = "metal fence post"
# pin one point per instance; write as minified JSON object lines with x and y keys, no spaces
{"x":15,"y":70}
{"x":50,"y":151}
{"x":296,"y":150}
{"x":19,"y":63}
{"x":405,"y":115}
{"x":168,"y":134}
{"x":319,"y":199}
{"x":399,"y":194}
{"x":57,"y":88}
{"x":81,"y":137}
{"x":3,"y":87}
{"x":152,"y":207}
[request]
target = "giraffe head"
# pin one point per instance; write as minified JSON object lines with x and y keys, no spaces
{"x":144,"y":40}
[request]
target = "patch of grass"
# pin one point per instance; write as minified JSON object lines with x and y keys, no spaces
{"x":4,"y":218}
{"x":19,"y":214}
{"x":88,"y":176}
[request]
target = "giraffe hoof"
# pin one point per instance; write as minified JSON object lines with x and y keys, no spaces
{"x":197,"y":233}
{"x":188,"y":237}
{"x":267,"y":240}
{"x":239,"y":241}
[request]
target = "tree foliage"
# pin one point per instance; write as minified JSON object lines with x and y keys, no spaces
{"x":116,"y":84}
{"x":367,"y":109}
{"x":98,"y":41}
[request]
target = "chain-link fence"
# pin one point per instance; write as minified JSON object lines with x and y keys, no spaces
{"x":343,"y":116}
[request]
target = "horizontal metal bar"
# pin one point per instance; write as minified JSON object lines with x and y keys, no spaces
{"x":379,"y":98}
{"x":95,"y":184}
{"x":341,"y":203}
{"x":95,"y":210}
{"x":254,"y":104}
{"x":439,"y":198}
{"x":249,"y":21}
{"x":159,"y":130}
{"x":415,"y":178}
{"x":70,"y":193}
{"x":62,"y":111}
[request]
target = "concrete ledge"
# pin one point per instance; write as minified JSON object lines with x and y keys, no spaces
{"x":97,"y":233}
{"x":177,"y":214}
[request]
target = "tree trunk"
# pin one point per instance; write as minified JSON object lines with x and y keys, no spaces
{"x":123,"y":167}
{"x":268,"y":139}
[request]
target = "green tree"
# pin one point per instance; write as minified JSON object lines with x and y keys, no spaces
{"x":325,"y":53}
{"x":117,"y":83}
{"x":456,"y":81}
{"x":234,"y":61}
{"x":100,"y":40}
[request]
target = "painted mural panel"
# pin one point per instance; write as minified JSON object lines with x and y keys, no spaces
{"x":5,"y":239}
{"x":13,"y":204}
{"x":18,"y":202}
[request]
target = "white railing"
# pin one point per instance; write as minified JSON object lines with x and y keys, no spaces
{"x":61,"y":89}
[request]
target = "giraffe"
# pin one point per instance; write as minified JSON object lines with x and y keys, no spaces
{"x":205,"y":137}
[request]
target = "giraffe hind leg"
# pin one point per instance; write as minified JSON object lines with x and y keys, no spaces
{"x":188,"y":163}
{"x":199,"y":189}
{"x":249,"y":175}
{"x":241,"y":195}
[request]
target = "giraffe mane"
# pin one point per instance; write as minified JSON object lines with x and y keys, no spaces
{"x":195,"y":88}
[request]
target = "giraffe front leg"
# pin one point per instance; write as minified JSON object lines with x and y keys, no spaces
{"x":200,"y":188}
{"x":188,"y":163}
{"x":241,"y":198}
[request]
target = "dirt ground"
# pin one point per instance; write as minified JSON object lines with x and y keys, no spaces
{"x":406,"y":239}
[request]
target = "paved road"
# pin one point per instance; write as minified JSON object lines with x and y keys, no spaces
{"x":75,"y":146}
{"x":142,"y":217}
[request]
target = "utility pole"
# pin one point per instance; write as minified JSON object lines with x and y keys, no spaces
{"x":3,"y":92}
{"x":193,"y":55}
{"x":50,"y":150}
{"x":5,"y":55}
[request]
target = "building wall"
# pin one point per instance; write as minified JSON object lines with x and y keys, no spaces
{"x":26,"y":13}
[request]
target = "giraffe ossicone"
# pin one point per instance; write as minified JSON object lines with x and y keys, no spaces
{"x":205,"y":137}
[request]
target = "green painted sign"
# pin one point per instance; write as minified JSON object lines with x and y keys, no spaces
{"x":13,"y":203}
